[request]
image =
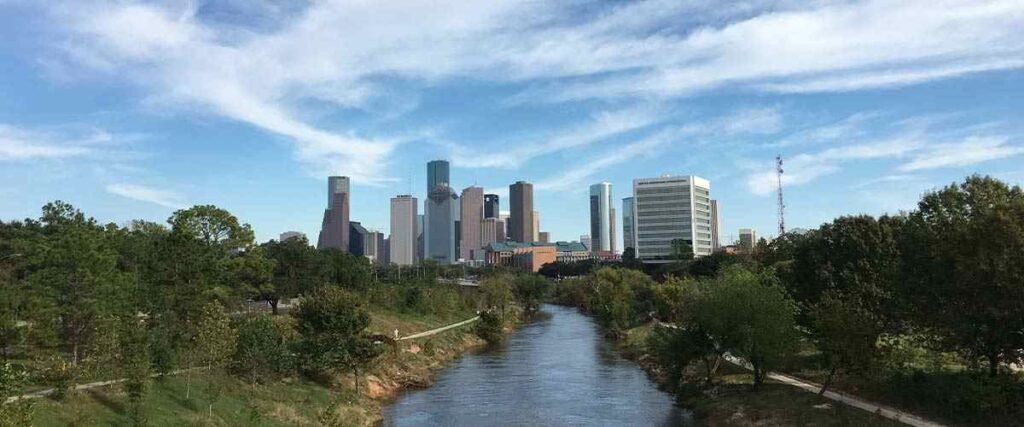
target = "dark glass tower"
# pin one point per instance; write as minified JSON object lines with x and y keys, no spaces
{"x":437,"y":175}
{"x":491,"y":206}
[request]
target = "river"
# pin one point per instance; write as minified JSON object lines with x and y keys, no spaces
{"x":555,"y":370}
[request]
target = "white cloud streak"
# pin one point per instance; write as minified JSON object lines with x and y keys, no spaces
{"x":146,"y":194}
{"x":344,"y":53}
{"x":20,"y":144}
{"x":574,"y":177}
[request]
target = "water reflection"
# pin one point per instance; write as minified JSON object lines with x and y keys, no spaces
{"x":556,"y":370}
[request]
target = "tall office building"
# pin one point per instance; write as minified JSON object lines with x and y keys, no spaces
{"x":420,"y":228}
{"x":586,"y":242}
{"x":402,"y":243}
{"x":471,"y":206}
{"x":357,"y":238}
{"x":748,"y":238}
{"x":627,"y":224}
{"x":716,"y":243}
{"x":374,"y":248}
{"x":669,"y":208}
{"x":492,"y":230}
{"x":437,"y":175}
{"x":492,"y":206}
{"x":520,"y":222}
{"x":601,"y":217}
{"x":439,"y":237}
{"x":334,"y":229}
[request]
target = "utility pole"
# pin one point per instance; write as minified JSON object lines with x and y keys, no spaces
{"x":782,"y":206}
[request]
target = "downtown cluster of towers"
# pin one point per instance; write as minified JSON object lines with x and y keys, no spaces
{"x":461,"y":227}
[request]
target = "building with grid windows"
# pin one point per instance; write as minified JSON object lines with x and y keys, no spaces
{"x":670,"y":208}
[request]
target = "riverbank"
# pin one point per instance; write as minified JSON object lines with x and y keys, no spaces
{"x":220,"y":399}
{"x":732,"y":402}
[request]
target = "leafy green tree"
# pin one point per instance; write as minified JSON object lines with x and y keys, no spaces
{"x":498,"y":292}
{"x":212,"y":226}
{"x":846,"y":332}
{"x":297,"y":269}
{"x":964,"y":269}
{"x":12,"y":383}
{"x":213,"y":339}
{"x":347,"y":270}
{"x":135,"y":363}
{"x":530,"y":290}
{"x":490,"y":327}
{"x":856,"y":257}
{"x":682,"y":250}
{"x":263,"y":353}
{"x":331,"y":327}
{"x":749,"y":315}
{"x":251,"y":274}
{"x":612,"y":296}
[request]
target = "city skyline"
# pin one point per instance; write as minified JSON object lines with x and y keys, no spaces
{"x":250,"y":107}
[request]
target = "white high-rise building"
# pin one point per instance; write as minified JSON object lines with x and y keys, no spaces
{"x":601,"y":221}
{"x":403,"y":230}
{"x":668,"y":208}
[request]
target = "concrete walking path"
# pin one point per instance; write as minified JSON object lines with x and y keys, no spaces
{"x":439,"y":330}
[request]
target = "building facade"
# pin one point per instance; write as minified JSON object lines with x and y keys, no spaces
{"x":627,"y":224}
{"x":668,"y":208}
{"x":357,"y":238}
{"x":402,"y":243}
{"x":334,"y":228}
{"x":601,"y":216}
{"x":545,"y":237}
{"x":437,"y":175}
{"x":585,"y":240}
{"x":748,"y":238}
{"x":471,"y":206}
{"x":520,"y":221}
{"x":716,"y":242}
{"x":492,"y":206}
{"x":291,"y":235}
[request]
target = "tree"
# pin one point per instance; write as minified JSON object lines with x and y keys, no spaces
{"x":297,"y":269}
{"x":213,"y":339}
{"x":749,"y":315}
{"x":490,"y":327}
{"x":332,"y":336}
{"x":497,"y":292}
{"x":963,"y":254}
{"x":682,"y":250}
{"x":846,"y":332}
{"x":347,"y":270}
{"x":530,"y":290}
{"x":135,"y":363}
{"x":251,"y":275}
{"x":212,"y":226}
{"x":612,"y":296}
{"x":263,"y":351}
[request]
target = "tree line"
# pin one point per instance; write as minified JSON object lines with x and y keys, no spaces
{"x":83,"y":301}
{"x":928,"y":302}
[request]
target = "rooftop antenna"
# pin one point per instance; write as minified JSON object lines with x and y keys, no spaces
{"x":782,"y":206}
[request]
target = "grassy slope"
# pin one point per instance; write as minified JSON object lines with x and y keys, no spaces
{"x":290,"y":402}
{"x":731,"y":402}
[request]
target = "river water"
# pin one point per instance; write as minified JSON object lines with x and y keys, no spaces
{"x":555,"y":370}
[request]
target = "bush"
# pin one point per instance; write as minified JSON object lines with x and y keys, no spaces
{"x":490,"y":327}
{"x":967,"y":397}
{"x":332,"y":326}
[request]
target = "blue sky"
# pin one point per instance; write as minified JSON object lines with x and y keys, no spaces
{"x":133,"y":109}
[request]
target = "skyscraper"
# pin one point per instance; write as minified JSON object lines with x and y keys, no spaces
{"x":441,"y":211}
{"x":402,"y":244}
{"x":437,"y":175}
{"x":491,"y":230}
{"x":334,"y":229}
{"x":601,"y":217}
{"x":748,"y":238}
{"x":471,"y":205}
{"x":356,"y":238}
{"x":627,"y":224}
{"x":668,"y":208}
{"x":536,"y":227}
{"x":715,"y":242}
{"x":491,"y":206}
{"x":520,"y":222}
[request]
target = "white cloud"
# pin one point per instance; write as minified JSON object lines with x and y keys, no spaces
{"x":142,"y":193}
{"x":20,"y":144}
{"x":343,"y":53}
{"x":575,"y":176}
{"x":972,"y":150}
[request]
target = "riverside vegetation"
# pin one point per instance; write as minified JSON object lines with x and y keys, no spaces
{"x":190,"y":315}
{"x":923,"y":311}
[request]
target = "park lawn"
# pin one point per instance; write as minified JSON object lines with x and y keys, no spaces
{"x":733,"y":402}
{"x":292,"y":401}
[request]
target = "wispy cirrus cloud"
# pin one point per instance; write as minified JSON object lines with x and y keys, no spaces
{"x":969,"y":151}
{"x":165,"y":198}
{"x":25,"y":144}
{"x":344,"y":53}
{"x":576,"y":176}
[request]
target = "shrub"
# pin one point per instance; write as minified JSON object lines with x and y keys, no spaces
{"x":490,"y":327}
